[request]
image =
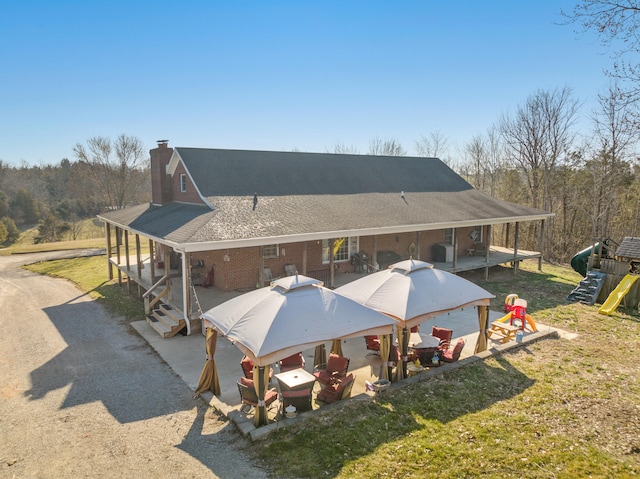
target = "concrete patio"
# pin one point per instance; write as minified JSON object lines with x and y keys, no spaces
{"x":186,"y":356}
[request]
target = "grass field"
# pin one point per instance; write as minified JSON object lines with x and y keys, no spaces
{"x":89,"y":273}
{"x":558,"y":408}
{"x":90,"y":235}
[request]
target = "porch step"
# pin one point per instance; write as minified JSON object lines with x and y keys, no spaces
{"x":165,"y":321}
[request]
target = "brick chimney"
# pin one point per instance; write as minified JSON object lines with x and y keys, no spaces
{"x":161,"y":189}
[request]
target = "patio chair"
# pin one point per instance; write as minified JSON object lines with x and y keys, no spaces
{"x":337,"y":390}
{"x":373,"y":343}
{"x":249,"y":397}
{"x":290,"y":269}
{"x":337,"y":367}
{"x":247,"y":368}
{"x":444,"y":335}
{"x":300,"y":399}
{"x":452,"y":355}
{"x":295,"y":361}
{"x":479,"y":249}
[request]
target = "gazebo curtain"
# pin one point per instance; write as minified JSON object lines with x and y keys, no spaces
{"x":209,"y":376}
{"x":336,"y":347}
{"x":403,"y":345}
{"x":261,"y":383}
{"x":483,"y":322}
{"x":320,"y":357}
{"x":385,"y":349}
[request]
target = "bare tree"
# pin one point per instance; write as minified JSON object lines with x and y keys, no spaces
{"x":476,"y":152}
{"x":433,"y":146}
{"x":114,"y":167}
{"x":388,"y":147}
{"x":538,"y":138}
{"x":614,"y":133}
{"x":617,"y":23}
{"x":495,"y":159}
{"x":341,"y":148}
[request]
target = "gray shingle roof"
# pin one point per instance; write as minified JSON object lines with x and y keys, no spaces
{"x":270,"y":173}
{"x":629,"y":248}
{"x":306,"y":194}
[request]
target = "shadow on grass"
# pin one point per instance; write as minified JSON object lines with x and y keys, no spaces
{"x":331,"y":440}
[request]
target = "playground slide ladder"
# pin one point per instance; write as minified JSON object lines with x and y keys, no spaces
{"x":614,"y":299}
{"x":589,"y":288}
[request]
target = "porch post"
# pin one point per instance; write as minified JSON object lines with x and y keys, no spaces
{"x":118,"y":254}
{"x":486,"y":253}
{"x":515,"y":248}
{"x":418,"y":246}
{"x":261,"y":266}
{"x":152,"y":261}
{"x":507,"y":236}
{"x":541,"y":244}
{"x":374,"y":255}
{"x":107,"y":232}
{"x":186,"y":296}
{"x":138,"y":256}
{"x":331,"y":243}
{"x":304,"y":258}
{"x":126,"y":259}
{"x":167,"y":269}
{"x":126,"y":250}
{"x":455,"y":248}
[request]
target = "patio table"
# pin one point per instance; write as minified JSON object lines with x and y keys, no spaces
{"x":295,"y":379}
{"x":422,"y":341}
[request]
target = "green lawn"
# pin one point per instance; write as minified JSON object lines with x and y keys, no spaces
{"x":90,"y":274}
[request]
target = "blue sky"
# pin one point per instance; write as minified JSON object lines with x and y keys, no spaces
{"x":278,"y":75}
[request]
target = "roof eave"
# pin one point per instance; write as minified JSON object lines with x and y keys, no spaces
{"x":296,"y":238}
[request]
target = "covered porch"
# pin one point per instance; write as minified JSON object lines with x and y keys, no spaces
{"x":139,"y":272}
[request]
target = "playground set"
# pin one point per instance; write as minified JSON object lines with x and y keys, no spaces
{"x":610,"y":272}
{"x":513,"y":324}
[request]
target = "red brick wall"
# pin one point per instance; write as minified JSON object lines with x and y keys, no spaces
{"x":240,"y":268}
{"x":161,"y":191}
{"x":189,"y":196}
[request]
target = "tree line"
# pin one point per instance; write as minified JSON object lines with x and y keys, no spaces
{"x":106,"y":174}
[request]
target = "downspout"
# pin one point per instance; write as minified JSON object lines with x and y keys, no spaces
{"x":185,"y":292}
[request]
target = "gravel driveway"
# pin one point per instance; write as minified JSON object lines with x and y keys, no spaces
{"x":82,"y":395}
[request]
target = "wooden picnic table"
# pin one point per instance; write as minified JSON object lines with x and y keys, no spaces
{"x":503,"y":332}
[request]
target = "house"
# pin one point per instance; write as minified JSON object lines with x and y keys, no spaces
{"x":235,"y":219}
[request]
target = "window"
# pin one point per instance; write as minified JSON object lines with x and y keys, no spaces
{"x":448,"y":236}
{"x":270,"y":251}
{"x":341,"y":247}
{"x":476,"y":234}
{"x":183,"y":183}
